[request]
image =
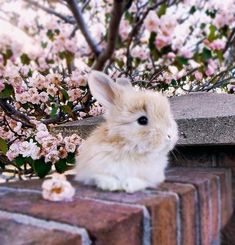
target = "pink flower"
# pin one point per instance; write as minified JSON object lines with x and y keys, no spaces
{"x":151,"y":21}
{"x":198,"y":75}
{"x":57,"y":189}
{"x":74,"y":94}
{"x":185,"y":52}
{"x":162,"y":41}
{"x":212,"y":66}
{"x":124,"y":29}
{"x":141,"y":53}
{"x":2,"y":85}
{"x":43,"y":97}
{"x":218,"y":44}
{"x":52,"y":90}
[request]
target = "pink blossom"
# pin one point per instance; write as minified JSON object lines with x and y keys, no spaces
{"x":35,"y":99}
{"x":198,"y":75}
{"x":43,"y":97}
{"x":124,"y":29}
{"x":52,"y":156}
{"x":141,"y":53}
{"x":170,"y":55}
{"x":74,"y":94}
{"x":162,"y":41}
{"x":52,"y":90}
{"x":41,"y":136}
{"x":211,"y":68}
{"x":151,"y":21}
{"x":185,"y":52}
{"x":70,"y":147}
{"x":57,"y":189}
{"x":2,"y":85}
{"x":218,"y":44}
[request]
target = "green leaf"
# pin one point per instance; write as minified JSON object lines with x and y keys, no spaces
{"x":181,"y":61}
{"x":3,"y":146}
{"x":192,"y":10}
{"x":211,"y":13}
{"x":25,"y":59}
{"x":54,"y":111}
{"x":206,"y":54}
{"x":67,"y":109}
{"x":151,"y":41}
{"x":71,"y":158}
{"x":20,"y":160}
{"x":61,"y":166}
{"x":43,"y":44}
{"x":50,"y":35}
{"x":41,"y":168}
{"x":212,"y":35}
{"x":7,"y":92}
{"x":65,"y":94}
{"x":162,"y":10}
{"x":220,"y":55}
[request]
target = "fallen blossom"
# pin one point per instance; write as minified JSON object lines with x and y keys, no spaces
{"x":57,"y":189}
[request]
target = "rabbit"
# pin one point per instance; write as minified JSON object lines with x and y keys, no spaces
{"x":128,"y":152}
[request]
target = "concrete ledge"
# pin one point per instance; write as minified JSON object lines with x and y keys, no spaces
{"x":203,"y":119}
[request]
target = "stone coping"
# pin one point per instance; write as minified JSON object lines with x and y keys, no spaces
{"x":202,"y":118}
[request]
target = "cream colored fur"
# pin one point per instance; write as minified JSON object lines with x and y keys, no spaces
{"x":121,"y":154}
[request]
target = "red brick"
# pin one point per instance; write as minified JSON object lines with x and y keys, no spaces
{"x":162,"y":207}
{"x":104,"y":222}
{"x":27,"y":234}
{"x":225,"y":181}
{"x":207,"y":199}
{"x":187,"y":195}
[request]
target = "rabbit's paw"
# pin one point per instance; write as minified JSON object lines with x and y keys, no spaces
{"x":108,"y":183}
{"x":134,"y":184}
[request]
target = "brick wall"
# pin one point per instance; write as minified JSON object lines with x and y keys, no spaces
{"x":191,"y":207}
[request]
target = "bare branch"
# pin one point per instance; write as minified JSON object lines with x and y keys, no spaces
{"x":230,"y":40}
{"x":14,"y":114}
{"x":51,"y":11}
{"x":74,"y":7}
{"x":116,"y":15}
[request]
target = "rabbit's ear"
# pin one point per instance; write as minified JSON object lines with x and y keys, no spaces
{"x":124,"y":82}
{"x":102,"y":88}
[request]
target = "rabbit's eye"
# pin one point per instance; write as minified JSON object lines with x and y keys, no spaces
{"x":142,"y":120}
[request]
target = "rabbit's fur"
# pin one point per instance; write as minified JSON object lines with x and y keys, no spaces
{"x":121,"y":154}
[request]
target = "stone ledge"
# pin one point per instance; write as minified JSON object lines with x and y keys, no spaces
{"x":203,"y":119}
{"x":191,"y":207}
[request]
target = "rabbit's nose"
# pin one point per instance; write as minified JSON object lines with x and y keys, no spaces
{"x":168,"y":137}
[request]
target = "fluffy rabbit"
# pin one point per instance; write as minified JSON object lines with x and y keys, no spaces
{"x":129,"y":150}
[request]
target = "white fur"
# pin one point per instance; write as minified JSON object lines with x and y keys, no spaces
{"x":121,"y":154}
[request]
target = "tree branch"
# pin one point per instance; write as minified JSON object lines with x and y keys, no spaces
{"x":14,"y":114}
{"x":74,"y":7}
{"x":51,"y":11}
{"x":116,"y":15}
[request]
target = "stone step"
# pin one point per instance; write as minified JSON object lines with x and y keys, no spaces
{"x":191,"y":207}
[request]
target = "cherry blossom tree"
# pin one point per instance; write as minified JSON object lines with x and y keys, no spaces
{"x":170,"y":46}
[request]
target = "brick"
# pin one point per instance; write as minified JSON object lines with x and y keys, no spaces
{"x":187,"y":195}
{"x":225,"y":184}
{"x":228,"y":234}
{"x":207,"y":200}
{"x":28,"y":234}
{"x":104,"y":222}
{"x":162,"y":207}
{"x":226,"y":158}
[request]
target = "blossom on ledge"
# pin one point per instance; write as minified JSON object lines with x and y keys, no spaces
{"x":57,"y":189}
